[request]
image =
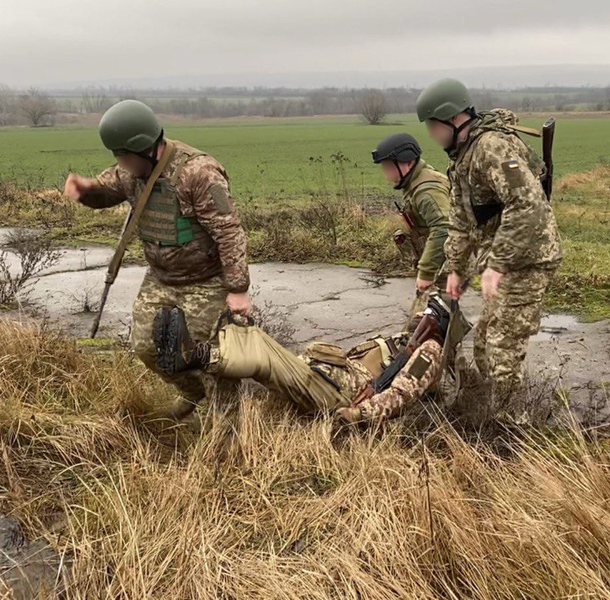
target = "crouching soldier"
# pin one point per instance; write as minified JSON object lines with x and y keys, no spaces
{"x":372,"y":382}
{"x":425,"y":207}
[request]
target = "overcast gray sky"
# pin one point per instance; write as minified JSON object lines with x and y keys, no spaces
{"x":45,"y":41}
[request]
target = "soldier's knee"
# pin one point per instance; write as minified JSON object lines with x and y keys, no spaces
{"x":190,"y":384}
{"x":145,"y":351}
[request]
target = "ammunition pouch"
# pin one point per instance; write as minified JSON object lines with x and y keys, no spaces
{"x":485,"y":212}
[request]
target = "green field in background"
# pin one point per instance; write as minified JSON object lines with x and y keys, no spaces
{"x":272,"y":159}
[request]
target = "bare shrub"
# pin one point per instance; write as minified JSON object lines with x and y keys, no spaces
{"x":273,"y":320}
{"x":34,"y":253}
{"x":85,"y":300}
{"x":373,"y":106}
{"x":322,"y":217}
{"x":37,"y":107}
{"x":95,"y":100}
{"x":7,"y":106}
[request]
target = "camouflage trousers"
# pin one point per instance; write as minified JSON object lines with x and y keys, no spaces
{"x":420,"y":373}
{"x":501,"y":337}
{"x":202,"y":303}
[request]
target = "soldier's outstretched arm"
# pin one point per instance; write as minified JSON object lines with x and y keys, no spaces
{"x":104,"y":191}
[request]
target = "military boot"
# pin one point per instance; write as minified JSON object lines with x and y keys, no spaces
{"x":175,"y":349}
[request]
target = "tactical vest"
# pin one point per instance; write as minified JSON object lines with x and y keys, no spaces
{"x":427,"y":180}
{"x":162,"y":222}
{"x":374,"y":354}
{"x":503,"y":121}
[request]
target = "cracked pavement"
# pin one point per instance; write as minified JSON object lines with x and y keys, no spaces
{"x":320,"y":301}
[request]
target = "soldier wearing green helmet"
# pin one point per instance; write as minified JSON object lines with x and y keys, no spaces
{"x":500,"y":214}
{"x":131,"y":127}
{"x":192,"y":237}
{"x":425,"y":207}
{"x":447,"y":102}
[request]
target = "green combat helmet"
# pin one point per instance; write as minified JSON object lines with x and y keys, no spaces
{"x":443,"y":100}
{"x":399,"y":148}
{"x":130,"y":127}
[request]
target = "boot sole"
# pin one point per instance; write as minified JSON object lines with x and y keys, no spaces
{"x":165,"y":341}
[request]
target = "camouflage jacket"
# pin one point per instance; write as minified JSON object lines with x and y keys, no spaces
{"x":498,"y":209}
{"x":350,"y":375}
{"x":426,"y":206}
{"x":202,"y":192}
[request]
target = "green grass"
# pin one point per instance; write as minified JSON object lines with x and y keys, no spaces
{"x":308,"y":191}
{"x":271,"y":159}
{"x":582,"y":207}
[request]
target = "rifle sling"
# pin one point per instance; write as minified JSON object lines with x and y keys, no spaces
{"x":136,"y":212}
{"x":525,"y":130}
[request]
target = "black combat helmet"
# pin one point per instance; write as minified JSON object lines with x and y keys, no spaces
{"x":399,"y":148}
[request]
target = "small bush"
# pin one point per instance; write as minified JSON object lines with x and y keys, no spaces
{"x":34,"y":252}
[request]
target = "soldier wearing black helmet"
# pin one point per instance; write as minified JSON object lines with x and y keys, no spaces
{"x":192,"y":237}
{"x":426,"y":204}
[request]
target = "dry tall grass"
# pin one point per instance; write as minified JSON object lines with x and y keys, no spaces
{"x":263,"y":504}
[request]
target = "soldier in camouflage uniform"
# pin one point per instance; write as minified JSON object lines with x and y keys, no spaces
{"x":192,"y":237}
{"x":324,"y":378}
{"x":426,"y":205}
{"x":500,"y":213}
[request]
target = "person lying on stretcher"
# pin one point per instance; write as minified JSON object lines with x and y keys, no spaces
{"x":374,"y":381}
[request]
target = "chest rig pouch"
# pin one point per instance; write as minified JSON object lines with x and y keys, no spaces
{"x":503,"y":121}
{"x":162,"y":222}
{"x":377,"y":353}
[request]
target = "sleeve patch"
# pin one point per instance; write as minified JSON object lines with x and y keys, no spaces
{"x":221,"y":198}
{"x":513,"y":173}
{"x":419,"y":367}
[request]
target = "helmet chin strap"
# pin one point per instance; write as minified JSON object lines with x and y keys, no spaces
{"x":457,"y":130}
{"x":403,"y":176}
{"x":151,"y":157}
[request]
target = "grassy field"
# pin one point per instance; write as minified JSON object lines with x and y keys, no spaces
{"x":270,"y":159}
{"x":253,"y":501}
{"x":307,"y":191}
{"x":249,"y":499}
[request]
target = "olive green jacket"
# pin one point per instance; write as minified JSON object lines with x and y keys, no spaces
{"x":426,"y":210}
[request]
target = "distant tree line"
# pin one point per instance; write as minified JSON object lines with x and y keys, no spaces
{"x":39,"y":108}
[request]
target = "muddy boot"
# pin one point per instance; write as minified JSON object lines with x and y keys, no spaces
{"x":509,"y":406}
{"x":176,"y":351}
